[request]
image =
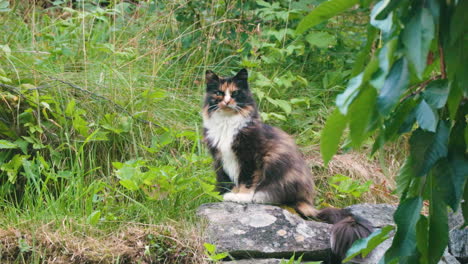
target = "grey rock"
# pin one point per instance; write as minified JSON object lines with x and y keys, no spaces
{"x":455,"y":219}
{"x":458,"y":244}
{"x":264,"y":231}
{"x":264,"y":234}
{"x":379,"y":215}
{"x":447,"y":258}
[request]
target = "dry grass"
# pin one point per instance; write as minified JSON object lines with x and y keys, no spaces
{"x":359,"y":167}
{"x":133,"y":244}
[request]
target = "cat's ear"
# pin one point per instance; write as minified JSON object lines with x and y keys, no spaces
{"x":211,"y":77}
{"x":242,"y":75}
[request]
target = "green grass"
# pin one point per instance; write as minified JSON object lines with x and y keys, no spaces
{"x":109,"y":100}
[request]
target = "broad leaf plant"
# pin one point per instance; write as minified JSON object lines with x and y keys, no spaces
{"x":410,"y":78}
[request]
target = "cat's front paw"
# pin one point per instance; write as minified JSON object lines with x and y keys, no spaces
{"x":230,"y":197}
{"x":238,"y":197}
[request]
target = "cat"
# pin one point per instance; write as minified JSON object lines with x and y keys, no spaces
{"x":258,"y":163}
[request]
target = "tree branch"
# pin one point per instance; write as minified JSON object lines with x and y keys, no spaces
{"x":442,"y":62}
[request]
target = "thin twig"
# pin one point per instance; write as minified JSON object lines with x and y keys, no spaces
{"x":76,"y":87}
{"x":442,"y":62}
{"x":420,"y":87}
{"x":11,"y":88}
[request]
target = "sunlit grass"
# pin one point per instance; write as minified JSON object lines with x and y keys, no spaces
{"x":135,"y":75}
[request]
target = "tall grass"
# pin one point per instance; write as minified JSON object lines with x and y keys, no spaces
{"x":103,"y":103}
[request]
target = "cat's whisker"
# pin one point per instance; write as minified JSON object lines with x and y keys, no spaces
{"x":241,"y":111}
{"x":213,"y":107}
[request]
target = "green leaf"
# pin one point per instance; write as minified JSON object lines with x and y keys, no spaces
{"x":459,"y":175}
{"x":436,"y":93}
{"x":94,"y":217}
{"x":417,"y":36}
{"x":210,"y":248}
{"x":406,"y":217}
{"x":364,"y":246}
{"x":70,"y":109}
{"x":438,"y":220}
{"x":285,"y":105}
{"x":12,"y":167}
{"x":5,"y":144}
{"x":449,"y":179}
{"x":323,"y":12}
{"x":321,"y":39}
{"x":129,"y":184}
{"x":404,"y":177}
{"x":394,"y":86}
{"x":454,"y":98}
{"x":359,"y":115}
{"x":22,"y":144}
{"x":427,"y":148}
{"x":7,"y":130}
{"x":385,"y":60}
{"x":162,"y":140}
{"x":271,"y":115}
{"x":4,"y":6}
{"x":80,"y":125}
{"x":427,"y":118}
{"x":394,"y":124}
{"x":97,"y":135}
{"x":422,"y":238}
{"x":220,"y":256}
{"x":386,"y":8}
{"x":344,"y":100}
{"x":385,"y":25}
{"x":363,"y":57}
{"x":331,"y":134}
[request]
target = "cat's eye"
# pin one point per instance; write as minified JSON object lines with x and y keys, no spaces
{"x":235,"y":93}
{"x":219,"y":93}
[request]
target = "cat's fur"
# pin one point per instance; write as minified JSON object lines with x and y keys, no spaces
{"x":258,"y":163}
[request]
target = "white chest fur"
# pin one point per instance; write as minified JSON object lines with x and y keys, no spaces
{"x":221,"y":130}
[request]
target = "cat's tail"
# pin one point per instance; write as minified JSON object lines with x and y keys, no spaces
{"x":346,"y":229}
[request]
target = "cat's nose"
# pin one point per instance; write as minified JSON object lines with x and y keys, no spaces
{"x":226,"y":99}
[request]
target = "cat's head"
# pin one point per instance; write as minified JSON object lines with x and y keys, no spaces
{"x":229,"y":94}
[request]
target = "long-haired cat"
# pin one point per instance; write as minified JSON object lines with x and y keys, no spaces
{"x":258,"y":163}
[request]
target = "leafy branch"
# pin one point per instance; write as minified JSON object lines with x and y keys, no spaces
{"x":397,"y":92}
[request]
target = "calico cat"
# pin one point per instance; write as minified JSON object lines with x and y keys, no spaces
{"x":258,"y":163}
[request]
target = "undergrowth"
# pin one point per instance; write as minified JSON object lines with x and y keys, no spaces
{"x":100,"y":103}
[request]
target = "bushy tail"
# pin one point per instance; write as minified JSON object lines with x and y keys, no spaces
{"x":346,"y":229}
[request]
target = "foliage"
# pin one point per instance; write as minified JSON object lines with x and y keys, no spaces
{"x":210,"y":252}
{"x":346,"y":185}
{"x":293,"y":260}
{"x":414,"y":82}
{"x":364,"y":246}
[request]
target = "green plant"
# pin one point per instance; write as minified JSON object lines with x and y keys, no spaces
{"x":348,"y":186}
{"x":409,"y":78}
{"x":299,"y":260}
{"x":364,"y":246}
{"x":210,"y":252}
